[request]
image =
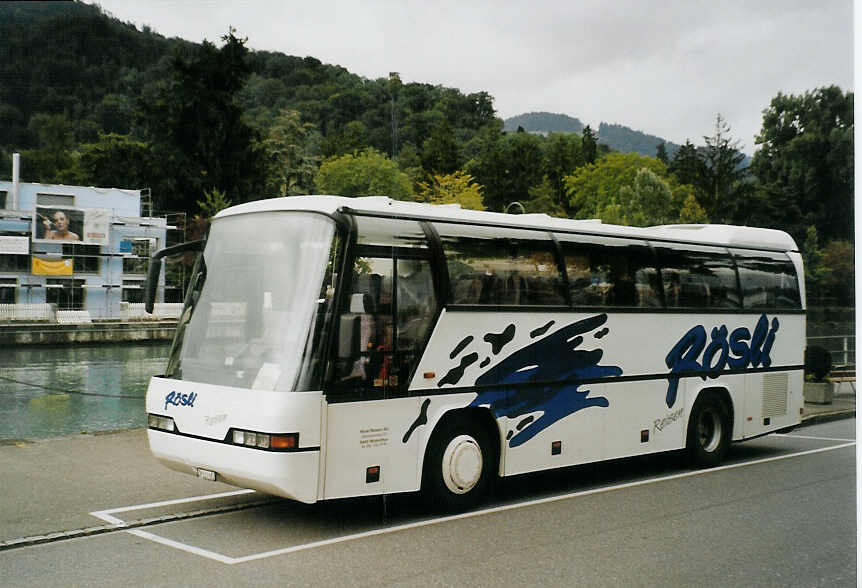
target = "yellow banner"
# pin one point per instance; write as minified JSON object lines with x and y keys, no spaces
{"x":52,"y":267}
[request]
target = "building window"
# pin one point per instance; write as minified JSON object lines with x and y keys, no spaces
{"x":8,"y":290}
{"x":66,"y":294}
{"x":3,"y":195}
{"x":140,"y":258}
{"x":14,"y":263}
{"x":67,"y":200}
{"x":133,"y":291}
{"x":86,"y":257}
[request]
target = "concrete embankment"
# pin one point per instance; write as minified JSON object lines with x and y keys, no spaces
{"x":99,"y":332}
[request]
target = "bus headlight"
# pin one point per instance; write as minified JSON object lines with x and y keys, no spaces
{"x":161,"y":423}
{"x":287,"y":442}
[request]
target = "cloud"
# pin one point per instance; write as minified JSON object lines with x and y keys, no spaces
{"x":665,"y":69}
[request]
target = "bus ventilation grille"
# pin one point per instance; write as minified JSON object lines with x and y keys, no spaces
{"x":774,"y":395}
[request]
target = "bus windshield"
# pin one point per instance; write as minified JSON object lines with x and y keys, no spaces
{"x":256,"y":302}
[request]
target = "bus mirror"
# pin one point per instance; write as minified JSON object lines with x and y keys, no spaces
{"x":155,"y":268}
{"x":153,"y":271}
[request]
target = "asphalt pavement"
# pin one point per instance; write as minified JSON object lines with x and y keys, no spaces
{"x":102,"y":499}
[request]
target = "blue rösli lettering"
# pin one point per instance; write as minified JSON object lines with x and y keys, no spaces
{"x":177,"y":399}
{"x":738,"y":351}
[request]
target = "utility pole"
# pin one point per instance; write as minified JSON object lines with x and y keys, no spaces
{"x":394,"y":91}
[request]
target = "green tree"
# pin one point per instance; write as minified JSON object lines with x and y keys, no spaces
{"x":839,"y":272}
{"x":349,"y":138}
{"x":543,"y":199}
{"x":589,"y":144}
{"x":691,"y":213}
{"x":411,"y":164}
{"x":593,"y":187}
{"x":369,"y":173}
{"x":55,"y":158}
{"x":440,"y":150}
{"x":455,"y":188}
{"x":291,"y":166}
{"x":119,"y":161}
{"x":195,"y":121}
{"x":563,"y":154}
{"x":687,"y":165}
{"x":648,"y":200}
{"x":805,"y":162}
{"x":213,"y":202}
{"x":507,"y":167}
{"x":722,"y":172}
{"x":661,"y":153}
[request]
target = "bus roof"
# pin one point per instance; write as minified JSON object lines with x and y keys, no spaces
{"x":726,"y":235}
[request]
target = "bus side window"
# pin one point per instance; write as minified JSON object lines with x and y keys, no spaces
{"x":501,"y":267}
{"x":698,"y":277}
{"x":416,"y":310}
{"x":610,"y":272}
{"x":768,"y":280}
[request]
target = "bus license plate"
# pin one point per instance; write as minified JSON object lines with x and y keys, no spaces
{"x":207,"y":475}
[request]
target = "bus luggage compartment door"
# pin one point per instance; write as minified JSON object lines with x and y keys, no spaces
{"x":367,"y":449}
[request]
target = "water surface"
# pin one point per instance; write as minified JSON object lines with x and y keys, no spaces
{"x":56,"y":391}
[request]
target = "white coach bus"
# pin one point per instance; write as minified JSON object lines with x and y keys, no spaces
{"x":333,"y":347}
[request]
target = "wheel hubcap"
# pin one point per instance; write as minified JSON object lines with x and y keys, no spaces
{"x":709,"y":430}
{"x":462,"y":464}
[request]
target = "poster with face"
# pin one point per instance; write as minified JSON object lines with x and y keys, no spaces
{"x":53,"y":223}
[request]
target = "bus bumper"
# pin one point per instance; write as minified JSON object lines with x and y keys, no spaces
{"x":288,"y":474}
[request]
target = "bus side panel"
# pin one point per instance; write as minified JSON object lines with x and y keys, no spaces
{"x":362,"y":435}
{"x":773,"y":399}
{"x":639,"y":420}
{"x":580,"y":438}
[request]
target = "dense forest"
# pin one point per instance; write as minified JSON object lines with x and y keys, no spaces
{"x":87,"y":99}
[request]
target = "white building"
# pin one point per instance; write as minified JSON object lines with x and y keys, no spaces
{"x":76,"y":248}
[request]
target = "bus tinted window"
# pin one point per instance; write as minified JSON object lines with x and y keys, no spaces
{"x":416,"y":308}
{"x":698,"y":277}
{"x":768,"y":280}
{"x":501,"y":267}
{"x":365,"y":349}
{"x":389,"y":232}
{"x":610,"y":272}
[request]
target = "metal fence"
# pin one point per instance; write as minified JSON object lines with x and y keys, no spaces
{"x":842,"y":348}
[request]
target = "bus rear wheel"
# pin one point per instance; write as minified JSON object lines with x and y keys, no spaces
{"x":708,"y":431}
{"x":458,"y":465}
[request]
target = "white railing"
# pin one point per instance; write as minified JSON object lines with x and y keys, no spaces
{"x":74,"y":317}
{"x":28,"y":312}
{"x":47,"y":313}
{"x":135,"y":311}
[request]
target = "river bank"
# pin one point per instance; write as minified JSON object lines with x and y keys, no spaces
{"x":15,"y":333}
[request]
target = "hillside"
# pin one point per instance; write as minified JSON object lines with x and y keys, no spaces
{"x":543,"y":122}
{"x":617,"y":137}
{"x":96,"y":75}
{"x":622,"y":138}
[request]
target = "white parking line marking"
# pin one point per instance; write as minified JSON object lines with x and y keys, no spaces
{"x":184,"y":547}
{"x":813,"y":437}
{"x":105,"y":515}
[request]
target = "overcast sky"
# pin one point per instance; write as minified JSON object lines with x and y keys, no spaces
{"x":665,"y":68}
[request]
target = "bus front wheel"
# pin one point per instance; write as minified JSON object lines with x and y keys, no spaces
{"x":708,"y":431}
{"x":458,"y":465}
